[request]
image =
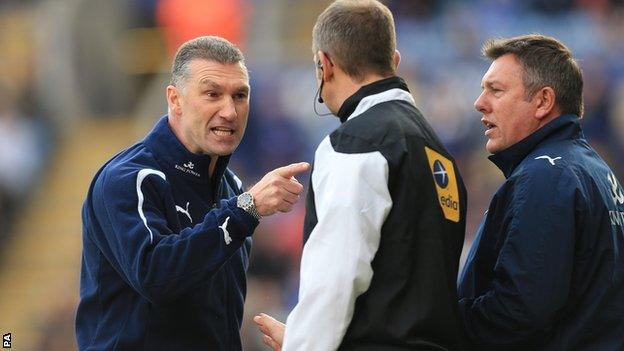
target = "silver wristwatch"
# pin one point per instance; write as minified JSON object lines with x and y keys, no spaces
{"x":246,"y":202}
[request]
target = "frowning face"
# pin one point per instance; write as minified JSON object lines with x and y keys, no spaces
{"x":211,"y":107}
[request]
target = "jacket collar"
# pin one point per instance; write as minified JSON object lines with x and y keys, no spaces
{"x":393,"y":88}
{"x":174,"y":156}
{"x":561,"y":128}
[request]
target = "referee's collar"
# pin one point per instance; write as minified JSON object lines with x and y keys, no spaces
{"x":387,"y":89}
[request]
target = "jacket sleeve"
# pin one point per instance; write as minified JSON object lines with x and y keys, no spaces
{"x":352,"y":203}
{"x":532,"y":274}
{"x":137,"y":241}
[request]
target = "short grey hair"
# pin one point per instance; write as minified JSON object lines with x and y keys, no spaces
{"x":359,"y":35}
{"x":210,"y":48}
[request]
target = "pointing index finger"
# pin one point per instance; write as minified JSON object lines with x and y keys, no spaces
{"x":293,"y":169}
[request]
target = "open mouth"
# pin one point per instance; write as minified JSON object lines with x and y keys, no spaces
{"x":488,"y":125}
{"x":222,"y":131}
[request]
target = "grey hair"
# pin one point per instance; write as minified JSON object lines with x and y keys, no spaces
{"x":210,"y":48}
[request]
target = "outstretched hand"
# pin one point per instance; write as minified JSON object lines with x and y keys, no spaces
{"x":278,"y":190}
{"x":272,"y":329}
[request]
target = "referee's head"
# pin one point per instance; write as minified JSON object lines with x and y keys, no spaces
{"x":358,"y":36}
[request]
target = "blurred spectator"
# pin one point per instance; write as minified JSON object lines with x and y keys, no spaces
{"x":25,"y":137}
{"x":187,"y":19}
{"x":22,"y":153}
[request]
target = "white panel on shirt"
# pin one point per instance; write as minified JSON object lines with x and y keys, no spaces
{"x":239,"y":182}
{"x":352,"y":203}
{"x":385,"y":96}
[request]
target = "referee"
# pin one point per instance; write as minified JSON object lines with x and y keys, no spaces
{"x":386,"y":207}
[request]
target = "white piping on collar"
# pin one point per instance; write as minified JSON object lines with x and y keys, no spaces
{"x":388,"y":95}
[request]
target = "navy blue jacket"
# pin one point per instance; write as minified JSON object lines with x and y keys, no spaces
{"x":165,"y":251}
{"x":546,"y":271}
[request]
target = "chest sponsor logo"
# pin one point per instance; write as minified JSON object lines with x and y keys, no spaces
{"x":445,"y":183}
{"x":616,"y":191}
{"x":617,"y":217}
{"x":188,"y":169}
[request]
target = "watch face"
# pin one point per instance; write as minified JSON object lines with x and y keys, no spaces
{"x":245,"y":200}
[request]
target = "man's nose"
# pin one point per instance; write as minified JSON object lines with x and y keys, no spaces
{"x":228,"y":110}
{"x":479,"y":103}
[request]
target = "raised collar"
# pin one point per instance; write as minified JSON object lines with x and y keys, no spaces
{"x":561,"y":128}
{"x":172,"y":154}
{"x":393,"y":88}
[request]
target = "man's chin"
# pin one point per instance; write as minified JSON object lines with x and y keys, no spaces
{"x":492,"y":147}
{"x":220,"y":149}
{"x":223,"y":151}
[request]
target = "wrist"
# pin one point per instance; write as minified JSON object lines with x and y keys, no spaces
{"x":245,"y":201}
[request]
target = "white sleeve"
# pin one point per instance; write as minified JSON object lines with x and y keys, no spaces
{"x":352,"y":203}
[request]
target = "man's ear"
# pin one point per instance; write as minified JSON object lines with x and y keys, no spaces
{"x":173,"y":100}
{"x":325,"y":65}
{"x":546,"y":102}
{"x":319,"y":69}
{"x":397,"y":59}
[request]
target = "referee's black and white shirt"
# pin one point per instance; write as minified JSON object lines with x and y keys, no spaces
{"x":384,"y":231}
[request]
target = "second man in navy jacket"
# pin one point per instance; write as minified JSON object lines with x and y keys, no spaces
{"x":546,"y":270}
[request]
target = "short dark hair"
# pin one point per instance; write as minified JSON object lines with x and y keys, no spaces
{"x":358,"y":35}
{"x":547,"y":63}
{"x":211,"y":48}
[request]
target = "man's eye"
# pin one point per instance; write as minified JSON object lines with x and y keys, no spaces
{"x":241,"y":96}
{"x":212,"y":94}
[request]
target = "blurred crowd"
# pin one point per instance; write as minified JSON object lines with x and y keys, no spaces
{"x":26,"y":133}
{"x":66,"y":60}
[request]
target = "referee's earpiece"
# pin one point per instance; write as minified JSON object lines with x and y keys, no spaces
{"x":319,"y":65}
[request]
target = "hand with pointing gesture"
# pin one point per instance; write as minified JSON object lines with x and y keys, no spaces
{"x":278,"y":190}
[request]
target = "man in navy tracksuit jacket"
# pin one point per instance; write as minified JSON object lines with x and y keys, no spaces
{"x":167,"y":226}
{"x":546,"y":270}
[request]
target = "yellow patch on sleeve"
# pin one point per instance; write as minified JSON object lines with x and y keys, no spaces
{"x":445,"y":183}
